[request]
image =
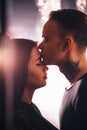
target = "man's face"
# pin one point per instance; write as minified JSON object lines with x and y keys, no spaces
{"x":52,"y":44}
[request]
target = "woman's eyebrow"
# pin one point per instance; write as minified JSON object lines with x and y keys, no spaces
{"x":39,"y":58}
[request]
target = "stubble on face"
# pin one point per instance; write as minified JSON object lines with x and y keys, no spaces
{"x":52,"y":45}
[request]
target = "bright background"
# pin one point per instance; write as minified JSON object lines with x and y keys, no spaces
{"x":25,"y":19}
{"x":48,"y":98}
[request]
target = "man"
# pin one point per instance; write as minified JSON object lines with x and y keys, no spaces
{"x":64,"y":44}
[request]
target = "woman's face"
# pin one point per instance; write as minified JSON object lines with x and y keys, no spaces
{"x":37,"y":75}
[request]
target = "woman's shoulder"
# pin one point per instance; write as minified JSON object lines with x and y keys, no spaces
{"x":29,"y":117}
{"x":26,"y":111}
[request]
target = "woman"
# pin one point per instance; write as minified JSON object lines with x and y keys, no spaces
{"x":29,"y":74}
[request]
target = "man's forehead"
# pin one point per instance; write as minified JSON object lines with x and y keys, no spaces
{"x":50,"y":27}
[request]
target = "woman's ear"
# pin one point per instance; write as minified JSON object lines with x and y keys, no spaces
{"x":68,"y":43}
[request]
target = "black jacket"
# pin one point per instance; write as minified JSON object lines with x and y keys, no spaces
{"x":28,"y":117}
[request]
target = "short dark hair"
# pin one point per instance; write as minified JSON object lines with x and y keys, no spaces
{"x":73,"y":22}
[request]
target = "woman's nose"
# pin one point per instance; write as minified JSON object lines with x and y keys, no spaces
{"x":45,"y":68}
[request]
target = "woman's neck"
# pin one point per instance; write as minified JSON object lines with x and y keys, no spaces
{"x":27,"y":95}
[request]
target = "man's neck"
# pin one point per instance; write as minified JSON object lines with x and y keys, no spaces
{"x":83,"y":69}
{"x":74,"y":70}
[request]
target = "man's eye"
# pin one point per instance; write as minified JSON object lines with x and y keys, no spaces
{"x":45,"y":39}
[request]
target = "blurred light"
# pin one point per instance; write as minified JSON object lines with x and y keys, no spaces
{"x":82,"y":5}
{"x":1,"y":59}
{"x":45,"y":6}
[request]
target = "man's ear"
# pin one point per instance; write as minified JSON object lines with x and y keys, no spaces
{"x":68,"y":43}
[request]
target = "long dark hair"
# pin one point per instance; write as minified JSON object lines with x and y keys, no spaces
{"x":15,"y":56}
{"x":23,"y":49}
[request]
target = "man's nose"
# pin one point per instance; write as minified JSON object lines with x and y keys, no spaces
{"x":40,"y":46}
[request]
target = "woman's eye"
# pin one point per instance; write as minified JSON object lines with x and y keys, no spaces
{"x":38,"y":64}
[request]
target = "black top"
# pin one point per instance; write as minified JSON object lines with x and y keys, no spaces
{"x":73,"y":112}
{"x":28,"y":117}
